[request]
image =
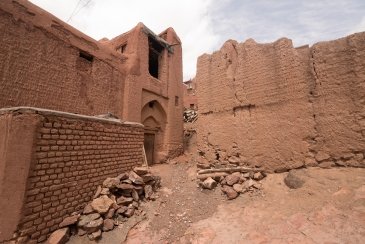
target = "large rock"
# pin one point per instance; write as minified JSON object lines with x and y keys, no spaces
{"x":125,"y":187}
{"x":129,"y":213}
{"x":60,"y":236}
{"x":85,"y":219}
{"x":230,"y":192}
{"x":108,"y":224}
{"x":136,"y":179}
{"x":111,"y":182}
{"x":95,"y":235}
{"x":141,"y":170}
{"x":320,"y":156}
{"x":135,"y":195}
{"x":233,"y":178}
{"x":122,"y":176}
{"x":93,"y":225}
{"x":101,"y":204}
{"x":147,"y":178}
{"x":293,"y":181}
{"x":125,"y":201}
{"x":209,"y":183}
{"x":69,"y":221}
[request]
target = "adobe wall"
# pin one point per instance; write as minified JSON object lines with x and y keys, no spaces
{"x":40,"y":64}
{"x":142,"y":88}
{"x":53,"y":163}
{"x":280,"y":107}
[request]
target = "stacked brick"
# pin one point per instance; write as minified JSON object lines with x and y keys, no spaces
{"x":73,"y":156}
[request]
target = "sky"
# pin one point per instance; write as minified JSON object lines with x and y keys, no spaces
{"x":204,"y":25}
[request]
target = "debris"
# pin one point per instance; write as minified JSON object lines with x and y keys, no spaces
{"x":190,"y":115}
{"x":116,"y":200}
{"x":230,"y":192}
{"x":59,"y":236}
{"x":293,"y":181}
{"x":233,"y":178}
{"x":209,"y":183}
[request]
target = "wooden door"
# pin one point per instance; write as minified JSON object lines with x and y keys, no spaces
{"x":149,"y":145}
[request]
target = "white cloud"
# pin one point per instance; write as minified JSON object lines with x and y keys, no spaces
{"x":109,"y":18}
{"x":204,"y":25}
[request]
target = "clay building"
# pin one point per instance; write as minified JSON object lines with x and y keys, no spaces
{"x":190,"y":98}
{"x":54,"y":80}
{"x":136,"y":76}
{"x":280,"y":107}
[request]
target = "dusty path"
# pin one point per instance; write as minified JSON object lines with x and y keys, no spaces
{"x":329,"y":208}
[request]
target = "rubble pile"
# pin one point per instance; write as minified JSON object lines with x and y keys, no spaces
{"x":190,"y":115}
{"x":233,"y":181}
{"x":116,"y":200}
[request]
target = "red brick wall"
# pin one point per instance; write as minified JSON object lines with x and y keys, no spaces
{"x":72,"y":155}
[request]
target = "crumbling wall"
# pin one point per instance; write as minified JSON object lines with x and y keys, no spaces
{"x":46,"y":63}
{"x":69,"y":155}
{"x":339,"y":100}
{"x":276,"y":106}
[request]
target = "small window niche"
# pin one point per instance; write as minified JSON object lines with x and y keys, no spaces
{"x":154,"y":57}
{"x":84,"y":62}
{"x":122,"y":48}
{"x":176,"y":101}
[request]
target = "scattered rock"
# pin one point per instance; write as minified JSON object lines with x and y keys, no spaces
{"x":247,"y":184}
{"x":293,"y":181}
{"x":105,"y":191}
{"x":108,"y":224}
{"x":69,"y":221}
{"x":111,"y":182}
{"x":140,"y":170}
{"x":320,"y":156}
{"x":147,"y":178}
{"x":326,"y":164}
{"x":148,"y":191}
{"x":125,"y":201}
{"x":97,"y":193}
{"x":209,"y":183}
{"x":93,"y":225}
{"x":234,"y":160}
{"x":122,"y":209}
{"x":230,"y":192}
{"x":258,"y":176}
{"x":126,"y":187}
{"x":88,"y":209}
{"x":85,"y":219}
{"x":95,"y":235}
{"x":123,"y":176}
{"x":59,"y":236}
{"x":110,"y":213}
{"x":233,"y":178}
{"x":135,"y":195}
{"x":136,"y":179}
{"x":310,"y":162}
{"x":129,"y":213}
{"x":238,"y":188}
{"x":101,"y":204}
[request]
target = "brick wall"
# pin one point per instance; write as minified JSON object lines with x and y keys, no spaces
{"x":72,"y":155}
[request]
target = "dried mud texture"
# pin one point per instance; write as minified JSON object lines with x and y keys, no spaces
{"x":278,"y":107}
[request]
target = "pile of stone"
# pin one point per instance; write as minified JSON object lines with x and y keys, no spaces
{"x":233,"y":181}
{"x":116,"y":200}
{"x":190,"y":115}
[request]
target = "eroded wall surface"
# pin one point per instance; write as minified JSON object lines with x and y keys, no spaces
{"x":280,"y":107}
{"x":41,"y":66}
{"x":61,"y":160}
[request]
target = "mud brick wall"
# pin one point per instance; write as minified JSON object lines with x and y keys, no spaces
{"x":47,"y":64}
{"x":71,"y":155}
{"x":280,"y":107}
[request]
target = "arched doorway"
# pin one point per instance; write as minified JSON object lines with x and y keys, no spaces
{"x":153,"y":117}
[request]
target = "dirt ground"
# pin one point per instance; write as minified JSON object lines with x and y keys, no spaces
{"x":329,"y":208}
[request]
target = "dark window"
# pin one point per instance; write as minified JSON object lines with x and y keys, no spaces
{"x":122,"y":48}
{"x":86,"y":56}
{"x":154,"y":56}
{"x":150,"y":104}
{"x":176,"y":101}
{"x":191,"y":105}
